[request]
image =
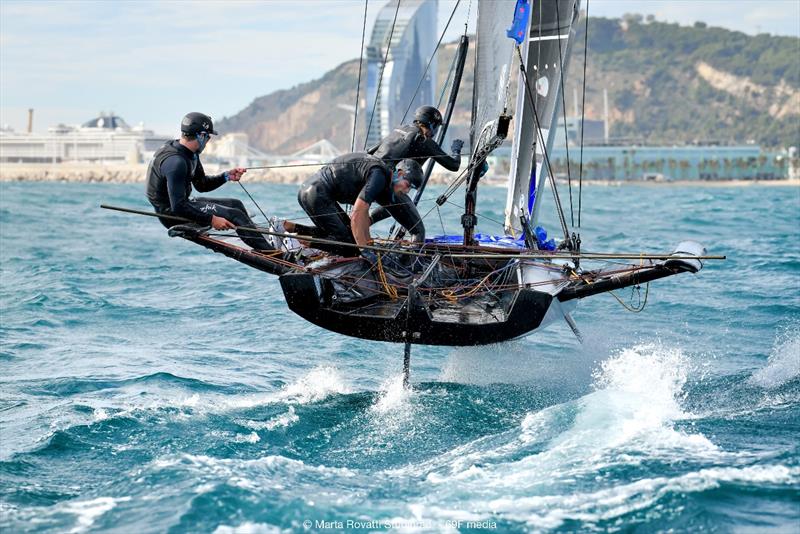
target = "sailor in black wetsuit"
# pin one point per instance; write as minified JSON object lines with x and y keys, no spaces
{"x":358,"y":179}
{"x":415,"y":141}
{"x":176,"y":167}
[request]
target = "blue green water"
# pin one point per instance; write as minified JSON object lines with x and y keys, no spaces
{"x":148,"y":385}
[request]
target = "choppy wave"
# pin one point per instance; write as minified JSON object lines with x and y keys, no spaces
{"x":180,"y":395}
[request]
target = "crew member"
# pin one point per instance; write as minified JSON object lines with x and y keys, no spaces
{"x":176,"y":166}
{"x":415,"y":141}
{"x":358,"y":179}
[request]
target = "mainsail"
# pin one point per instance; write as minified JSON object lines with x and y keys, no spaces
{"x":493,"y":62}
{"x":546,"y":53}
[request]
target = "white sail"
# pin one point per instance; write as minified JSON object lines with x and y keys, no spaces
{"x":552,"y":25}
{"x":493,"y":60}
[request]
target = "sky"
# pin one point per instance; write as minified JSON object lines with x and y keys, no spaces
{"x":151,"y":62}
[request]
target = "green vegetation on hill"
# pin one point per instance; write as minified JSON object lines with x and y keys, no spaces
{"x":667,"y":84}
{"x":675,"y":84}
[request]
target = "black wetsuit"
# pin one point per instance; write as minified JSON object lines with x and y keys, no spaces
{"x":408,"y":141}
{"x":170,"y":177}
{"x":346,"y":179}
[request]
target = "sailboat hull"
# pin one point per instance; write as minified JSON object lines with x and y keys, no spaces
{"x":477,"y":323}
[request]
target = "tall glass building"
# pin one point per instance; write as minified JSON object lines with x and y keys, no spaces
{"x":412,"y":44}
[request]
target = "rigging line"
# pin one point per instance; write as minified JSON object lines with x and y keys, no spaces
{"x":324,"y":163}
{"x":583,"y":109}
{"x":254,"y":202}
{"x":447,"y":82}
{"x":531,"y":98}
{"x":433,"y":55}
{"x":380,"y":77}
{"x":298,"y":215}
{"x":593,"y":255}
{"x":564,"y":111}
{"x":478,"y":214}
{"x":466,"y":24}
{"x":447,"y":245}
{"x":269,"y":221}
{"x":633,"y":309}
{"x":358,"y":86}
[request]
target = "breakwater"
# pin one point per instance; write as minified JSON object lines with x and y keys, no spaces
{"x":132,"y":173}
{"x":135,"y":173}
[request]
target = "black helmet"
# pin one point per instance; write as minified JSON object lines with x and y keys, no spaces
{"x":429,"y":116}
{"x":411,"y":172}
{"x":194,"y":123}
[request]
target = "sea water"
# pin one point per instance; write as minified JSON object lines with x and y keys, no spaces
{"x":149,"y":385}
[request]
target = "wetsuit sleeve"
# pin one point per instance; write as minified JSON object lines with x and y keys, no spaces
{"x":174,"y":169}
{"x":405,"y":212}
{"x":205,"y":183}
{"x":377,"y":183}
{"x":429,"y":148}
{"x":378,"y":214}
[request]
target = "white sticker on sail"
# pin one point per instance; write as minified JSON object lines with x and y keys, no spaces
{"x":542,"y":86}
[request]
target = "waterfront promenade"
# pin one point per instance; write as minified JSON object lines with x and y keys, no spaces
{"x":133,"y":173}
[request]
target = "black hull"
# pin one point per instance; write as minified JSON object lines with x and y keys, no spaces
{"x":394,"y":322}
{"x":416,"y":319}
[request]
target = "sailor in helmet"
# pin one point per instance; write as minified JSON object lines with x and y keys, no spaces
{"x":176,"y":167}
{"x":358,"y":179}
{"x":415,"y":141}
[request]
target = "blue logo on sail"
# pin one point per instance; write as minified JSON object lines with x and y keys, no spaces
{"x":517,"y":30}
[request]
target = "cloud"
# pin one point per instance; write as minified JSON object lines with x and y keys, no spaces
{"x":151,"y":60}
{"x":780,"y":17}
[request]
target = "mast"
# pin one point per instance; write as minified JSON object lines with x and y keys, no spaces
{"x":460,"y":59}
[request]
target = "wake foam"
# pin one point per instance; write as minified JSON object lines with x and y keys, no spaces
{"x":249,"y":527}
{"x":317,"y":385}
{"x":551,"y":511}
{"x":393,"y":395}
{"x":638,"y":396}
{"x":88,"y":512}
{"x":783,"y":364}
{"x":529,"y":474}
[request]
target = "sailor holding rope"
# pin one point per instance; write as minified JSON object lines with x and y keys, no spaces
{"x":415,"y":141}
{"x":176,"y":167}
{"x":358,"y":179}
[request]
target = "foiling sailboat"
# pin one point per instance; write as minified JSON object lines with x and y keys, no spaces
{"x":471,"y":289}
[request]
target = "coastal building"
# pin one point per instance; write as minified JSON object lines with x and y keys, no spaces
{"x":234,"y":149}
{"x":661,"y":163}
{"x":106,"y":138}
{"x":656,"y":163}
{"x":413,"y":41}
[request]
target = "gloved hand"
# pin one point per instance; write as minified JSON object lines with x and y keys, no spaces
{"x":457,"y":145}
{"x":370,"y":256}
{"x":234,"y":175}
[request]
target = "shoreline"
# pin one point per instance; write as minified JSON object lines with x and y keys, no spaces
{"x":135,"y":173}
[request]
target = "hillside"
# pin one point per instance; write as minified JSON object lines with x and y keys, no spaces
{"x":667,"y":84}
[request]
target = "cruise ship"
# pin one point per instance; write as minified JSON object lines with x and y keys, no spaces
{"x":104,"y":139}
